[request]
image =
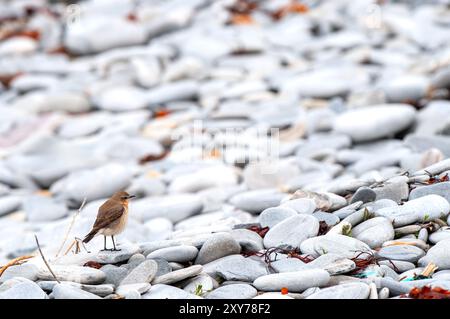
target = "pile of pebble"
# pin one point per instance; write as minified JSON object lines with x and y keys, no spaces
{"x":176,"y":102}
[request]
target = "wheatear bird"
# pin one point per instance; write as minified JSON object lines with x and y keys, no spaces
{"x":111,"y":218}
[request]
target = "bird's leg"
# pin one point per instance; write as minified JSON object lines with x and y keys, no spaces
{"x":114,"y":244}
{"x":104,"y":244}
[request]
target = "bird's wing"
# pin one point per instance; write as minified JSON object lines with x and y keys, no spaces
{"x":107,"y":214}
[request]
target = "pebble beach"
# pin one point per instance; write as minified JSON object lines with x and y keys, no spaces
{"x":277,"y":149}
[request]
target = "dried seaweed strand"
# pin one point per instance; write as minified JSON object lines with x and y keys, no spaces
{"x":14,"y":262}
{"x":291,"y":253}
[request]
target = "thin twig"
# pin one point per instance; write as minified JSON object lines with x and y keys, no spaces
{"x":77,"y":242}
{"x":45,"y":261}
{"x":70,"y":226}
{"x":70,"y":247}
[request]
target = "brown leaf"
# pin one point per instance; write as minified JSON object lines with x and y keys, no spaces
{"x":93,"y":264}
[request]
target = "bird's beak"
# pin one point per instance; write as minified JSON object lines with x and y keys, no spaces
{"x":131,"y":196}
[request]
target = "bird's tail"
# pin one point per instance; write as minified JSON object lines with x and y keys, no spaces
{"x":89,"y":236}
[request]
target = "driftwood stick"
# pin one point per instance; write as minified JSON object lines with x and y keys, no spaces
{"x":45,"y":261}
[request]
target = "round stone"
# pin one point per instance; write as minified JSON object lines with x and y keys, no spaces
{"x":301,"y":205}
{"x":292,"y":231}
{"x":41,"y":209}
{"x":129,"y":289}
{"x":215,"y":176}
{"x":294,"y":281}
{"x":364,"y":194}
{"x":98,"y":183}
{"x":274,"y":215}
{"x":357,"y":290}
{"x":258,"y":200}
{"x":113,"y":257}
{"x":328,"y":218}
{"x":421,"y":209}
{"x":162,"y":291}
{"x":143,"y":273}
{"x":24,"y":290}
{"x":333,"y":243}
{"x":408,"y":87}
{"x":64,"y":291}
{"x":441,"y":234}
{"x":441,"y":189}
{"x":217,"y":246}
{"x":334,"y":264}
{"x":439,"y":254}
{"x":27,"y":270}
{"x":271,"y":174}
{"x":235,"y":291}
{"x":173,"y":207}
{"x":114,"y":275}
{"x":82,"y":275}
{"x":401,"y":252}
{"x":9,"y":204}
{"x":378,"y":121}
{"x":236,"y":267}
{"x":178,"y":275}
{"x":181,"y":254}
{"x":249,"y":240}
{"x":374,"y":232}
{"x":200,"y":284}
{"x":159,"y":228}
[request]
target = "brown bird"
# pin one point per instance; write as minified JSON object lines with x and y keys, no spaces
{"x":111,"y":218}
